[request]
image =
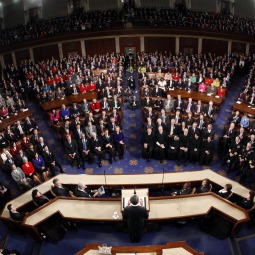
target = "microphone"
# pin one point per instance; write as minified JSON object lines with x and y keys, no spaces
{"x":134,"y":191}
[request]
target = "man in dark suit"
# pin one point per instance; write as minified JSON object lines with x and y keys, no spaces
{"x":82,"y":191}
{"x":72,"y":150}
{"x":97,"y":146}
{"x":178,"y":103}
{"x":116,"y":104}
{"x":147,"y":102}
{"x":51,"y":161}
{"x":60,"y":190}
{"x":199,"y":108}
{"x":184,"y":147}
{"x":157,"y":92}
{"x":108,"y":144}
{"x":14,"y":214}
{"x":135,"y":215}
{"x":148,"y":141}
{"x":84,"y":149}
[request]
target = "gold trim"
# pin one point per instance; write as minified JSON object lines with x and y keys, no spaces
{"x":231,"y":246}
{"x":238,"y":247}
{"x":245,"y":237}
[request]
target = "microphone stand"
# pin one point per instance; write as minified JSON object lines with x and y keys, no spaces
{"x":162,"y":190}
{"x":105,"y":178}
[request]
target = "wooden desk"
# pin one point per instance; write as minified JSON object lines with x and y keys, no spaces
{"x":48,"y":106}
{"x":14,"y":118}
{"x":196,"y":96}
{"x":174,"y":248}
{"x":129,"y":181}
{"x":161,"y":208}
{"x":244,"y":108}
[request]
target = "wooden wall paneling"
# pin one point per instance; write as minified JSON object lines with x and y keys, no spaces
{"x":7,"y":58}
{"x":71,"y":48}
{"x":152,"y":44}
{"x":46,"y":52}
{"x":188,"y":45}
{"x":22,"y":55}
{"x":132,"y":42}
{"x":238,"y":47}
{"x":252,"y":49}
{"x":99,"y":46}
{"x":214,"y":46}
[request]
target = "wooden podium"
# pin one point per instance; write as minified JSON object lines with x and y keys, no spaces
{"x":143,"y":194}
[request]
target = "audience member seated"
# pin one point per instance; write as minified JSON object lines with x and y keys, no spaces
{"x":29,"y":170}
{"x":186,"y":189}
{"x":20,"y":178}
{"x":14,"y":213}
{"x":60,"y":190}
{"x":38,"y":198}
{"x":206,"y":186}
{"x":248,"y":202}
{"x":82,"y":191}
{"x":226,"y":191}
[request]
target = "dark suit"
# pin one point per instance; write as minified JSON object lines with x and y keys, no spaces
{"x":80,"y":193}
{"x":206,"y":158}
{"x":61,"y":191}
{"x":72,"y":148}
{"x":85,"y":146}
{"x":135,"y":216}
{"x":150,"y":141}
{"x":17,"y":216}
{"x":94,"y":143}
{"x":108,"y":140}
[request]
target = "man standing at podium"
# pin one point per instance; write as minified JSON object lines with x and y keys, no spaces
{"x":135,"y":214}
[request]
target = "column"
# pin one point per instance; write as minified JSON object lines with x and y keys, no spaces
{"x":247,"y":50}
{"x":60,"y":51}
{"x":171,"y":3}
{"x":120,"y":4}
{"x":218,"y":6}
{"x":229,"y":47}
{"x":83,"y":50}
{"x":2,"y":60}
{"x":177,"y":44}
{"x":138,"y":3}
{"x":117,"y":44}
{"x":31,"y":53}
{"x":200,"y":44}
{"x":141,"y":43}
{"x":14,"y":59}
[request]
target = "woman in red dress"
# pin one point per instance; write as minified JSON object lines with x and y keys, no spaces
{"x":29,"y":170}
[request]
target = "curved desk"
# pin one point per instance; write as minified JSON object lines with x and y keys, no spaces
{"x":131,"y":181}
{"x":161,"y":208}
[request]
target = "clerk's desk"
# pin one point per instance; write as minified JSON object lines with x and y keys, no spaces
{"x":102,"y":209}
